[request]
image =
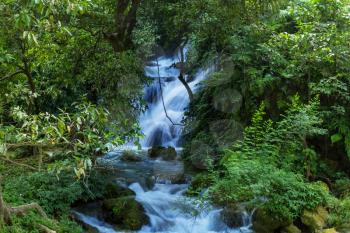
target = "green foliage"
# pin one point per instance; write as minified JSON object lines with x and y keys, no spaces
{"x":80,"y":135}
{"x":55,"y":196}
{"x":340,"y":215}
{"x":268,"y":167}
{"x":284,"y":195}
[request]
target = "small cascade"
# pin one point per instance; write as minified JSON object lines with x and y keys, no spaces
{"x":171,"y":212}
{"x":154,"y":122}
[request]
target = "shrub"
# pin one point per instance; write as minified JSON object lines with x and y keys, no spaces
{"x":54,"y":195}
{"x":284,"y":195}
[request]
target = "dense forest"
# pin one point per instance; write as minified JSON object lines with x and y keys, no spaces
{"x":264,"y":135}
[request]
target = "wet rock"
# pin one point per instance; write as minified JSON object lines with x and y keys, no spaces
{"x":130,"y":156}
{"x":114,"y":190}
{"x":125,"y":213}
{"x":315,"y":220}
{"x":167,"y":154}
{"x":232,"y":216}
{"x":291,"y":229}
{"x":264,"y":223}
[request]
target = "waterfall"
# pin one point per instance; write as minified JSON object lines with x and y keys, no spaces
{"x":155,"y":124}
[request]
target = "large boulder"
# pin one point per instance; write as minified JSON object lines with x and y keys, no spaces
{"x":125,"y":213}
{"x":265,"y":223}
{"x":315,"y":220}
{"x":165,"y":153}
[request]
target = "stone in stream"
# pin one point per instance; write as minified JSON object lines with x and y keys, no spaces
{"x":125,"y":213}
{"x":165,"y":153}
{"x":130,"y":156}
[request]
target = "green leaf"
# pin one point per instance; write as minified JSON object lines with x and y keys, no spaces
{"x":336,"y":138}
{"x":61,"y":126}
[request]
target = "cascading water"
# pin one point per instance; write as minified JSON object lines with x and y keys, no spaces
{"x":168,"y":209}
{"x":155,"y":123}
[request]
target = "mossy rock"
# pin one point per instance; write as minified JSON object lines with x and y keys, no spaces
{"x":263,"y":222}
{"x":291,"y":229}
{"x":315,"y":220}
{"x":130,"y":156}
{"x":166,"y":153}
{"x":113,"y":190}
{"x":125,"y":213}
{"x":232,"y":216}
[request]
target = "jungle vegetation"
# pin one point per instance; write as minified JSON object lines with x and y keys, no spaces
{"x":269,"y":128}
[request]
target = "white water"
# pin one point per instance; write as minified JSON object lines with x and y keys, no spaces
{"x":155,"y":125}
{"x":168,"y":209}
{"x":170,"y":212}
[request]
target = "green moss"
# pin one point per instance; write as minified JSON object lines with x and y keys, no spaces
{"x":126,"y":213}
{"x":113,"y":191}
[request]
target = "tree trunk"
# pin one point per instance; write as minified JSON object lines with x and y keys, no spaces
{"x":125,"y":22}
{"x":28,"y":72}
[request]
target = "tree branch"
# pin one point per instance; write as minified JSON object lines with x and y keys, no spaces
{"x":161,"y":93}
{"x":11,"y":75}
{"x":18,"y":164}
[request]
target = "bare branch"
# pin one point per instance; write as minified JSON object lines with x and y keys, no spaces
{"x":161,"y":93}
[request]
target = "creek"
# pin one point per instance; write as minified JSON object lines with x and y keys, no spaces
{"x":160,"y":185}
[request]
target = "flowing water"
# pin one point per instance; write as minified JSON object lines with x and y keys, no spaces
{"x":156,"y":125}
{"x":168,"y":209}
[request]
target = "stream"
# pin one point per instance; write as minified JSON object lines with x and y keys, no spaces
{"x":160,"y":185}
